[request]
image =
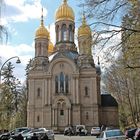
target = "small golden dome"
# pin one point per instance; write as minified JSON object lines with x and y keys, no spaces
{"x":84,"y":29}
{"x":42,"y":32}
{"x":50,"y":48}
{"x":64,"y":12}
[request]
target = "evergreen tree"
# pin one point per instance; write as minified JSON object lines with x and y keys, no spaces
{"x":10,"y":95}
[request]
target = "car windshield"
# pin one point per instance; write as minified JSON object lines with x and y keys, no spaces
{"x":113,"y":133}
{"x":80,"y":127}
{"x":38,"y":130}
{"x":96,"y":128}
{"x":20,"y":129}
{"x":26,"y":131}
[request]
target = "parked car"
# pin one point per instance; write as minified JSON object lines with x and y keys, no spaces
{"x":5,"y":136}
{"x":130,"y":133}
{"x":14,"y":133}
{"x":115,"y":134}
{"x":69,"y":131}
{"x":81,"y":130}
{"x":95,"y":131}
{"x":26,"y":133}
{"x":40,"y":132}
{"x":109,"y":128}
{"x":137,"y":134}
{"x":50,"y":134}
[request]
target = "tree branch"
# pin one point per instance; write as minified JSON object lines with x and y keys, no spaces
{"x":122,"y":28}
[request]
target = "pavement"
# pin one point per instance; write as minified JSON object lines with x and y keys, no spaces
{"x":62,"y":137}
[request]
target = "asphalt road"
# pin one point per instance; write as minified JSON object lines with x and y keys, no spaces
{"x":62,"y":137}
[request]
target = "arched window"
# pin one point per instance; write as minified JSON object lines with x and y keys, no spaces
{"x":56,"y":84}
{"x":38,"y":119}
{"x":64,"y":32}
{"x":86,"y":91}
{"x":61,"y":82}
{"x":87,"y":117}
{"x":39,"y":48}
{"x":67,"y":83}
{"x":70,"y":33}
{"x":61,"y":112}
{"x":38,"y":92}
{"x":57,"y":34}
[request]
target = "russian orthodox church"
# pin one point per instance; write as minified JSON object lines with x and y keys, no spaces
{"x":63,"y":83}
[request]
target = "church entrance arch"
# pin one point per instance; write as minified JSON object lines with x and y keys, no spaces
{"x":63,"y":114}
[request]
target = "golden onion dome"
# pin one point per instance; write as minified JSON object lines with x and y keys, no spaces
{"x":50,"y":48}
{"x":84,"y":29}
{"x":64,"y":12}
{"x":42,"y":32}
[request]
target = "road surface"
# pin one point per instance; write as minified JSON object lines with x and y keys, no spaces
{"x":62,"y":137}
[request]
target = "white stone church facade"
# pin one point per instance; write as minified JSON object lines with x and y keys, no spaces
{"x":64,"y":84}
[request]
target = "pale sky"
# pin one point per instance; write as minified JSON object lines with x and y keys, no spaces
{"x":22,"y":18}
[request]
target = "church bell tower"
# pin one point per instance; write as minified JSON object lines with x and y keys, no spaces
{"x":64,"y":27}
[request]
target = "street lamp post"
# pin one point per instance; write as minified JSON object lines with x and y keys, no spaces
{"x":18,"y":61}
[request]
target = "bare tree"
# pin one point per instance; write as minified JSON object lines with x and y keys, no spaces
{"x":108,"y":20}
{"x":106,"y":16}
{"x":124,"y":88}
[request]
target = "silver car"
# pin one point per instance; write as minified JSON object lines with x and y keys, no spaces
{"x":40,"y":132}
{"x":114,"y":134}
{"x":95,"y":131}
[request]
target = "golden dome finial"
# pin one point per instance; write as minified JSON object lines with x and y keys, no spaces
{"x":65,"y":1}
{"x":42,"y":21}
{"x":84,"y":19}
